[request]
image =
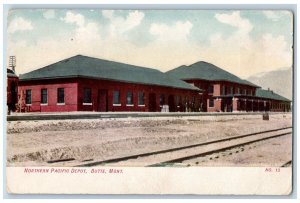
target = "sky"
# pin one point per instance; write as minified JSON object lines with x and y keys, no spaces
{"x":244,"y":42}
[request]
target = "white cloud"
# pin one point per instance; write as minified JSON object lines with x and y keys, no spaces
{"x":235,"y":20}
{"x":108,"y":14}
{"x":272,"y":43}
{"x":134,"y":19}
{"x":49,"y":14}
{"x":267,"y":53}
{"x":275,"y":49}
{"x":19,"y":24}
{"x":240,"y":37}
{"x":70,"y":17}
{"x":239,"y":53}
{"x":275,"y":15}
{"x":120,"y":25}
{"x":87,"y":34}
{"x":85,"y":39}
{"x":271,"y":15}
{"x":178,"y":31}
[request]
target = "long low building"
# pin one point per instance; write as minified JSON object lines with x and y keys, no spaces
{"x":225,"y":92}
{"x":274,"y":102}
{"x":82,"y":83}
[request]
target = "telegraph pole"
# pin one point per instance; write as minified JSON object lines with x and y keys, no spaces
{"x":12,"y":63}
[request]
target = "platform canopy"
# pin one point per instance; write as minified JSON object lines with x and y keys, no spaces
{"x":268,"y":94}
{"x":260,"y":94}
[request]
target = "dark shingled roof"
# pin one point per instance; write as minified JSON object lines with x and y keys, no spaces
{"x":83,"y":66}
{"x":206,"y":71}
{"x":11,"y":73}
{"x":268,"y":94}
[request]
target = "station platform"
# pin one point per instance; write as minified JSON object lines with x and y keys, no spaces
{"x":106,"y":115}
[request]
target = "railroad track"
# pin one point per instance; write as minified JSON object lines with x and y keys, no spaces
{"x":287,"y":164}
{"x":179,"y":154}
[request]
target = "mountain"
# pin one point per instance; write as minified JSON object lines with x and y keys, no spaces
{"x":280,"y":81}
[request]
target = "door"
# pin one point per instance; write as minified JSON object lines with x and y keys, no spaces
{"x":171,"y":103}
{"x":14,"y":96}
{"x":102,"y":100}
{"x":152,"y":102}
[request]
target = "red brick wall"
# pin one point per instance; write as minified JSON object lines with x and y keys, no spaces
{"x":217,"y":90}
{"x":70,"y":88}
{"x":235,"y":104}
{"x":218,"y":85}
{"x":216,"y":107}
{"x":11,"y":80}
{"x":278,"y":106}
{"x":235,"y":88}
{"x":123,"y":87}
{"x":74,"y":89}
{"x":74,"y":95}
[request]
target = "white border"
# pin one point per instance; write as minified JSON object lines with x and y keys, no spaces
{"x":243,"y":3}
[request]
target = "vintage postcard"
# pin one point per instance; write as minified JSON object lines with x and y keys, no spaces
{"x":149,"y":101}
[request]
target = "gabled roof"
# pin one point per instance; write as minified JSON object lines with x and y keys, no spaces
{"x":83,"y":66}
{"x":206,"y":71}
{"x":268,"y":94}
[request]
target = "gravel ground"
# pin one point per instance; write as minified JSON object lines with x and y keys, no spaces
{"x":271,"y":153}
{"x":32,"y":143}
{"x":165,"y":157}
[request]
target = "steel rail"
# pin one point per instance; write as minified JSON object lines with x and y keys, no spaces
{"x":113,"y":160}
{"x":181,"y":159}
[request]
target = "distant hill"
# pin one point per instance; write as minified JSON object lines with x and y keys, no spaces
{"x":280,"y":81}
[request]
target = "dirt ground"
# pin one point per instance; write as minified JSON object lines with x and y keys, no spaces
{"x":32,"y":143}
{"x":272,"y":153}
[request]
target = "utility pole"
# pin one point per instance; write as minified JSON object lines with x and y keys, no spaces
{"x":12,"y":63}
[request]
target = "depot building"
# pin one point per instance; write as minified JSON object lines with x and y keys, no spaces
{"x":226,"y":92}
{"x":82,"y":83}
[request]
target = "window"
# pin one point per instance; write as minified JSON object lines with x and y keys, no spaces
{"x":193,"y":100}
{"x":245,"y":91}
{"x":223,"y":90}
{"x":129,"y":98}
{"x":238,"y":90}
{"x":87,"y":95}
{"x":211,"y":103}
{"x":116,"y":97}
{"x":226,"y":90}
{"x":210,"y":89}
{"x":28,"y":97}
{"x":141,"y":100}
{"x":60,"y":95}
{"x":44,"y":97}
{"x":185,"y":101}
{"x":162,"y":99}
{"x":231,"y":90}
{"x":178,"y":100}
